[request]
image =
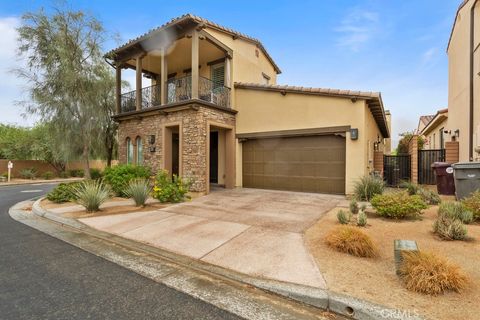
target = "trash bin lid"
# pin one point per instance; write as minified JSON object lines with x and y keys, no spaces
{"x":441,"y":165}
{"x":466,"y":165}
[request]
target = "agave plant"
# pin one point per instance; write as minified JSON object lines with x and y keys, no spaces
{"x":91,"y":194}
{"x":139,"y":190}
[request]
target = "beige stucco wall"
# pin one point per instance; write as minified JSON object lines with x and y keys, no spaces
{"x":458,"y":81}
{"x":263,"y":111}
{"x":432,"y":138}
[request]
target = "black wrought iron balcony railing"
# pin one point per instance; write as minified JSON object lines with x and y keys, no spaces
{"x":178,"y":89}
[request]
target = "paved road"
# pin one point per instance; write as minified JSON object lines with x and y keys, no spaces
{"x":45,"y":278}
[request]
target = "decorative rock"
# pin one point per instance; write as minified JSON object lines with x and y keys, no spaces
{"x":401,"y":246}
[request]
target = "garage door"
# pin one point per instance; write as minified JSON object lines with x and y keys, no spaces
{"x":308,"y":164}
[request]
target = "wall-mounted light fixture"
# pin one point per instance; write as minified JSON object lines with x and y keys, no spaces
{"x":457,"y":133}
{"x":354,"y":134}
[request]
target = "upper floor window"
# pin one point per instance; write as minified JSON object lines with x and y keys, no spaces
{"x":217,"y":74}
{"x":129,"y":151}
{"x":139,"y":159}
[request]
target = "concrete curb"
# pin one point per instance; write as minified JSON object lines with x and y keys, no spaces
{"x":344,"y":305}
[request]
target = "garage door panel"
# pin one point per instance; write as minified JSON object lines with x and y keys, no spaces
{"x":309,"y":164}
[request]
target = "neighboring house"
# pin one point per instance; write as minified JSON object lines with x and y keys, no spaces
{"x":213,"y":112}
{"x":464,"y":80}
{"x":435,"y":131}
{"x":423,"y":121}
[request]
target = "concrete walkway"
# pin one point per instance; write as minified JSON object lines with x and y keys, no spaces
{"x":256,"y":232}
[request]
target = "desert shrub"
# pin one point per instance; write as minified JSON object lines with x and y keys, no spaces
{"x":344,"y":217}
{"x":430,"y":197}
{"x":63,"y":174}
{"x":4,"y":174}
{"x":48,"y":175}
{"x":448,"y":225}
{"x":91,"y":194}
{"x":95,"y":173}
{"x":431,"y":274}
{"x":363,"y":207}
{"x":139,"y":190}
{"x":166,"y":190}
{"x":80,"y":173}
{"x":28,"y":173}
{"x":362,"y":219}
{"x":118,"y":177}
{"x":354,"y":206}
{"x":62,"y":193}
{"x":351,"y":240}
{"x":398,"y":205}
{"x":472,"y":203}
{"x":456,"y":210}
{"x":367,"y":187}
{"x":412,"y":188}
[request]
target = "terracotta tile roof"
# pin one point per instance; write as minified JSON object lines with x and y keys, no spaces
{"x":435,"y":118}
{"x":426,"y":119}
{"x":460,"y":7}
{"x":374,"y":99}
{"x":199,"y":20}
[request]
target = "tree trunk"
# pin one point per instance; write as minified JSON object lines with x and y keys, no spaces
{"x":85,"y":156}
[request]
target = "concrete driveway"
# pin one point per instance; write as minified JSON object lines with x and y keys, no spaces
{"x":257,"y":232}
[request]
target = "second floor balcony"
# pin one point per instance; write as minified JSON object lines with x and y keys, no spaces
{"x":178,"y":90}
{"x":183,"y":63}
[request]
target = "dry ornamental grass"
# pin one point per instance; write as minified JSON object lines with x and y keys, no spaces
{"x":352,"y":241}
{"x":429,"y":273}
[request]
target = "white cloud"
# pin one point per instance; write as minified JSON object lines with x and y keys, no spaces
{"x":357,"y":28}
{"x":430,"y":56}
{"x":11,"y":88}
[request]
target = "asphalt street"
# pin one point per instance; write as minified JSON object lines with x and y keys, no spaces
{"x":44,"y":278}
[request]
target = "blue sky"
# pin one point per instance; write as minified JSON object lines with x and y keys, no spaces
{"x":396,"y":47}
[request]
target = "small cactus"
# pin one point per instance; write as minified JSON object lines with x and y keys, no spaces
{"x":362,"y":219}
{"x":363,"y":207}
{"x":354,"y":206}
{"x":344,"y":217}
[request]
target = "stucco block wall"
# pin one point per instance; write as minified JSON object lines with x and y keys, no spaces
{"x":263,"y":111}
{"x":459,"y":81}
{"x":193,"y":139}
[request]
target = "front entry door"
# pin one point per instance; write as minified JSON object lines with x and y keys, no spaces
{"x":213,"y":157}
{"x":175,"y":154}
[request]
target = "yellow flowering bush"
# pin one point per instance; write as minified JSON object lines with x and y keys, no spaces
{"x":170,"y":190}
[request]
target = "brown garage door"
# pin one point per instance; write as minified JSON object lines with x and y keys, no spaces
{"x":308,"y":164}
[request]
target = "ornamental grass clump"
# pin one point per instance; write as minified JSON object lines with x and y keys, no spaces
{"x":351,"y":240}
{"x":456,"y":210}
{"x":344,"y":217}
{"x":91,"y":194}
{"x":139,"y":190}
{"x":362,"y":219}
{"x":449,"y":225}
{"x":428,"y":273}
{"x":398,"y":205}
{"x":354,"y":206}
{"x":367,"y":187}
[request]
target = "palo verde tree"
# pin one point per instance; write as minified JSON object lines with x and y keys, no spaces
{"x":68,"y":79}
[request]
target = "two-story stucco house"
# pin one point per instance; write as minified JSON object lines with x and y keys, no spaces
{"x":464,"y":81}
{"x":212,"y":111}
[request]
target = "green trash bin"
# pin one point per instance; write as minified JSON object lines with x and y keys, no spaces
{"x":467,"y":178}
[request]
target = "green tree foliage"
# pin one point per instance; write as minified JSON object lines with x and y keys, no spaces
{"x":403,"y":143}
{"x":70,"y":85}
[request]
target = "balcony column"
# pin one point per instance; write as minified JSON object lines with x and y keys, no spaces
{"x":227,"y":71}
{"x":163,"y":77}
{"x":195,"y":62}
{"x":138,"y":82}
{"x":118,"y":88}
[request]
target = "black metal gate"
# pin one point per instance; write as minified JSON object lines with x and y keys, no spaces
{"x":396,"y":169}
{"x":425,"y":160}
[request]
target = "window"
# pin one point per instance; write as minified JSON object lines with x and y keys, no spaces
{"x":434,"y":138}
{"x":129,"y":151}
{"x":217,"y":73}
{"x":139,"y":151}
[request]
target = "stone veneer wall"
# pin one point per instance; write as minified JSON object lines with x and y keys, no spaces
{"x":194,"y":139}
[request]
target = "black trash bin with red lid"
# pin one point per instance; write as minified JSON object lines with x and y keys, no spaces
{"x":445,"y":180}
